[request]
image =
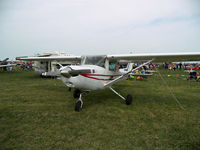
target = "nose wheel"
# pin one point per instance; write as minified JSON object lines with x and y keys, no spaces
{"x":79,"y":104}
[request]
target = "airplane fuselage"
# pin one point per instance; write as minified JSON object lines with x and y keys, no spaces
{"x":95,"y":80}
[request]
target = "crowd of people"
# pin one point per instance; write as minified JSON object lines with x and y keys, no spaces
{"x":185,"y":66}
{"x":27,"y":66}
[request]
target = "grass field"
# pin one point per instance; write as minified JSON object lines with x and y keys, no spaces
{"x":38,"y":113}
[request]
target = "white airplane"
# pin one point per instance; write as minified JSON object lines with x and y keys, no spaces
{"x":100,"y":72}
{"x":48,"y":68}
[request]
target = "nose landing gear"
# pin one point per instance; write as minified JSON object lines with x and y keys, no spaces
{"x":79,"y":102}
{"x":77,"y":93}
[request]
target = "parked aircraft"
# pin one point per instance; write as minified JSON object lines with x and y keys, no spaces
{"x":4,"y":64}
{"x":48,"y":68}
{"x":143,"y":73}
{"x":100,"y":72}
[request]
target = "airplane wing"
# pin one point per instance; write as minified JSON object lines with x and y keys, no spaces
{"x":49,"y":58}
{"x":4,"y":60}
{"x":158,"y":57}
{"x":153,"y":57}
{"x":9,"y":65}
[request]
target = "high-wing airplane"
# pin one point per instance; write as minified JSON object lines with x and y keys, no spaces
{"x":48,"y":68}
{"x":100,"y":72}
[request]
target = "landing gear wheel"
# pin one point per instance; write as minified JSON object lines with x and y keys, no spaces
{"x":128,"y":99}
{"x":78,"y":105}
{"x":77,"y":93}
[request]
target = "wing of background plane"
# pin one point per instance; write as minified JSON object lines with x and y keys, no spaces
{"x":9,"y":65}
{"x":4,"y":60}
{"x":78,"y":58}
{"x":158,"y":57}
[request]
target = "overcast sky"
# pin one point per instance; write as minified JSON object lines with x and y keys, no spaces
{"x":83,"y":27}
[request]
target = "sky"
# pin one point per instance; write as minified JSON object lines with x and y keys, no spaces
{"x":94,"y":27}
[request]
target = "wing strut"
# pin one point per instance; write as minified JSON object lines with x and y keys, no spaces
{"x":117,"y":93}
{"x":126,"y":74}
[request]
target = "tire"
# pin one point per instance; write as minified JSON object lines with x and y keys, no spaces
{"x":78,"y":106}
{"x":128,"y":99}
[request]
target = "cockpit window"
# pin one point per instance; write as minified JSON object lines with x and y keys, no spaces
{"x":94,"y":60}
{"x":113,"y":66}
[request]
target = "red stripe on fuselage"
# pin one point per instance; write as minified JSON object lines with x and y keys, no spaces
{"x":102,"y":75}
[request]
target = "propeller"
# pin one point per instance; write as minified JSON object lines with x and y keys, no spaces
{"x":65,"y":71}
{"x":73,"y":71}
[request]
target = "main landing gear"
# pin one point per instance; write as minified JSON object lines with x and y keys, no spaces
{"x":79,"y":102}
{"x":128,"y":99}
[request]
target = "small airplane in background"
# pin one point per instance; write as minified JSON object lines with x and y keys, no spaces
{"x":101,"y":71}
{"x":144,"y":73}
{"x":49,"y":68}
{"x":4,"y":64}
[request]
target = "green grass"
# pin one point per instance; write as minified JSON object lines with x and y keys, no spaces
{"x":38,"y":113}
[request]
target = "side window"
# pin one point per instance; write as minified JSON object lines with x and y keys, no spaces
{"x":112,"y":66}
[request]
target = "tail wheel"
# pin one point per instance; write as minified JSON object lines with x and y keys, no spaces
{"x":128,"y":99}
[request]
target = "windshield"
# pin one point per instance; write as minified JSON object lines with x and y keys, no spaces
{"x":94,"y":60}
